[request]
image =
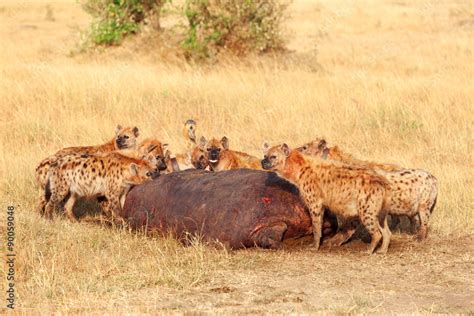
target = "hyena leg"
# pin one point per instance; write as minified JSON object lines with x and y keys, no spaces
{"x":42,"y":204}
{"x":394,"y":221}
{"x":122,"y":199}
{"x":68,"y":207}
{"x":106,"y":208}
{"x":414,"y":222}
{"x":369,"y":218}
{"x":424,"y":219}
{"x":113,"y":206}
{"x":386,"y":235}
{"x":347,"y":230}
{"x":316,"y":212}
{"x":45,"y":194}
{"x":104,"y":205}
{"x":57,"y":196}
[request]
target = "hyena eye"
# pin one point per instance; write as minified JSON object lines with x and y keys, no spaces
{"x":273,"y":157}
{"x":209,"y":149}
{"x":148,"y":174}
{"x":125,"y":136}
{"x":218,"y":149}
{"x":305,"y":147}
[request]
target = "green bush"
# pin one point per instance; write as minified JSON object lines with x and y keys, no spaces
{"x":237,"y":26}
{"x":115,"y":19}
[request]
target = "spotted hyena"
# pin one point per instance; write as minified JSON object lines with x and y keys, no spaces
{"x":108,"y":176}
{"x":125,"y":138}
{"x":195,"y":158}
{"x":189,"y":133}
{"x":198,"y":155}
{"x":183,"y":161}
{"x":156,"y":148}
{"x":413,"y":192}
{"x":348,"y":191}
{"x":220,"y":157}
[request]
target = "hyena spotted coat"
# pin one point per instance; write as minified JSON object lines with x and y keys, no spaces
{"x":109,"y":176}
{"x":318,"y":148}
{"x":413,"y":192}
{"x":348,"y":192}
{"x":125,"y":138}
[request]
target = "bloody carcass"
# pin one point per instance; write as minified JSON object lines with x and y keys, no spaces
{"x":239,"y":208}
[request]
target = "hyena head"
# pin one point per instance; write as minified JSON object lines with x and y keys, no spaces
{"x":138,"y":173}
{"x":126,"y":137}
{"x":190,"y":130}
{"x":156,"y":149}
{"x":215,"y":147}
{"x":315,"y":147}
{"x":198,"y":155}
{"x":275,"y":157}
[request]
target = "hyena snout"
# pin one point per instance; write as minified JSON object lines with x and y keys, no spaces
{"x":161,"y":164}
{"x":122,"y":142}
{"x":266,"y":164}
{"x":214,"y":155}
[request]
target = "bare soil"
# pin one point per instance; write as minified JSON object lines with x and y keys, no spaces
{"x":434,"y":276}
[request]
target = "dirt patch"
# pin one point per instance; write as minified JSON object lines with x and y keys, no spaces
{"x":435,"y":276}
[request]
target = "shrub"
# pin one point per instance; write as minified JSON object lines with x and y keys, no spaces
{"x":238,"y":26}
{"x":115,"y":19}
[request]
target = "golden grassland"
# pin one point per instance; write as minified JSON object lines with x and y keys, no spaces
{"x":392,"y":81}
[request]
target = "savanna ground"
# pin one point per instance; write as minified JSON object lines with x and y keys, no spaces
{"x":386,"y":80}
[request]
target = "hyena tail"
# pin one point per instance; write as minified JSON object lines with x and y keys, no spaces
{"x":47,"y":191}
{"x":433,"y":193}
{"x":434,"y":204}
{"x":386,"y":201}
{"x":382,"y":217}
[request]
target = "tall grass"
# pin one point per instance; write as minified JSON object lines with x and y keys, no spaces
{"x":413,"y":109}
{"x":410,"y":121}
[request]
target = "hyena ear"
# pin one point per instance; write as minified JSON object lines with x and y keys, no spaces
{"x":167,"y":155}
{"x":151,"y":148}
{"x":151,"y":159}
{"x":133,"y":169}
{"x":225,"y":142}
{"x":202,"y":142}
{"x":322,"y":144}
{"x":190,"y":122}
{"x":118,"y":129}
{"x":135,"y":131}
{"x":164,"y":147}
{"x":285,"y":149}
{"x":265,"y":147}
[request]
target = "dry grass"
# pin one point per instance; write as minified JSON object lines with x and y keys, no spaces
{"x":396,"y":86}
